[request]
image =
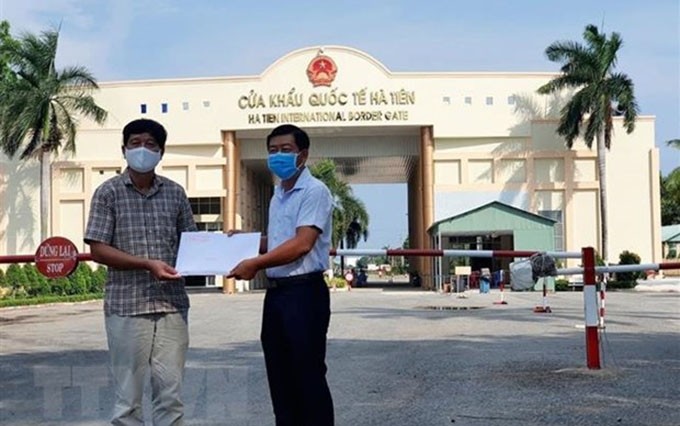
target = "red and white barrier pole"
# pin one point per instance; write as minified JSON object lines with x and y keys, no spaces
{"x":544,"y":309}
{"x":591,"y":310}
{"x":603,"y":291}
{"x":502,"y":301}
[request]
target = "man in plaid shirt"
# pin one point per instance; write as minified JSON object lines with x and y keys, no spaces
{"x":134,"y":227}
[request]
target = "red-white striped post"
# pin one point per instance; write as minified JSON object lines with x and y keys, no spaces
{"x":502,"y":301}
{"x":603,"y":291}
{"x":591,"y":310}
{"x":544,"y":308}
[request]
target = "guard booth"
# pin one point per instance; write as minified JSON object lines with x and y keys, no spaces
{"x":492,"y":226}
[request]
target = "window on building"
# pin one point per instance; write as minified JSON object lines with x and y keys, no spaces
{"x":185,"y":106}
{"x":446,"y":100}
{"x":164,"y":108}
{"x":511,"y":100}
{"x":556,"y":215}
{"x":200,"y":281}
{"x":206,"y":104}
{"x":489,"y":100}
{"x":468,"y":100}
{"x":209,"y":226}
{"x":142,"y":108}
{"x":206,"y":205}
{"x":102,"y":172}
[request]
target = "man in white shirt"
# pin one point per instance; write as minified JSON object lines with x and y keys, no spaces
{"x":297,"y":304}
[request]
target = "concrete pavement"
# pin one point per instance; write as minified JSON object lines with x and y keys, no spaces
{"x":395,"y":357}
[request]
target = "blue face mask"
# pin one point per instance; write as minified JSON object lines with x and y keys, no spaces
{"x":283,"y":164}
{"x":141,"y":159}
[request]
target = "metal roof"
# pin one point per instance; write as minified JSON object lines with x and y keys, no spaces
{"x":670,"y":234}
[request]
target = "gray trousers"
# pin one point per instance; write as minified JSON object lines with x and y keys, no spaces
{"x":158,"y":341}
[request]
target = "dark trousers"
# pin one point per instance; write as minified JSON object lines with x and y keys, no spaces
{"x":294,"y":326}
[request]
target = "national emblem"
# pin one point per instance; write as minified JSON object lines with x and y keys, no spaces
{"x":321,"y":70}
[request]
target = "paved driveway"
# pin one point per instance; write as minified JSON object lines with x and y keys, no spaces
{"x":392,"y":361}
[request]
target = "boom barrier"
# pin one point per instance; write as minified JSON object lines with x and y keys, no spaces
{"x":589,"y":271}
{"x":453,"y":253}
{"x":587,"y":256}
{"x":30,"y":258}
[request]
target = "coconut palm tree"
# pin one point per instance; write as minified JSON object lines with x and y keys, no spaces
{"x":41,"y":106}
{"x":350,"y":219}
{"x":5,"y":41}
{"x":601,"y":93}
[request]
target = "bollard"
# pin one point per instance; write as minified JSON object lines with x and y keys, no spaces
{"x":591,"y":310}
{"x":544,"y":309}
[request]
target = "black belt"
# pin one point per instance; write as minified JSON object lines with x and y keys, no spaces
{"x":295,"y":279}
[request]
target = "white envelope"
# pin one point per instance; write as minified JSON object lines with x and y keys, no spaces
{"x":207,"y":253}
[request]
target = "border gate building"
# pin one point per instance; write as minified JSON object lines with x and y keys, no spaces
{"x":478,"y":152}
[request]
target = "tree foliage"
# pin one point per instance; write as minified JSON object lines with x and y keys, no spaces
{"x":36,"y":284}
{"x":41,"y":104}
{"x":670,"y":193}
{"x":350,"y":218}
{"x":629,"y":258}
{"x":27,"y":282}
{"x":601,"y":93}
{"x":7,"y":43}
{"x":15,"y":279}
{"x":670,"y":199}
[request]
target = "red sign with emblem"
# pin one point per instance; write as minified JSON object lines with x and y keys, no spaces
{"x":56,"y":257}
{"x":321,"y":70}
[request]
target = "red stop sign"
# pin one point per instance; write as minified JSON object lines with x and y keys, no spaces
{"x":56,"y":257}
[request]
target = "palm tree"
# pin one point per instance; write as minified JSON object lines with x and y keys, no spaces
{"x":601,"y":94}
{"x":41,"y":106}
{"x":350,"y":219}
{"x":5,"y":40}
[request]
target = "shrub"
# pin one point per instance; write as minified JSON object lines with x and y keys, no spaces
{"x":80,"y":279}
{"x":18,"y":301}
{"x":629,"y":258}
{"x":36,"y":283}
{"x":99,"y":277}
{"x":561,"y":284}
{"x":4,"y":288}
{"x":60,"y":286}
{"x":16,"y":279}
{"x":337,"y":282}
{"x":620,"y":285}
{"x":21,"y":285}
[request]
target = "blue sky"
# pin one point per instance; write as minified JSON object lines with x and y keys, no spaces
{"x":145,"y":39}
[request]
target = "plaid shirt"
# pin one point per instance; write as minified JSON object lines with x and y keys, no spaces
{"x":144,"y":225}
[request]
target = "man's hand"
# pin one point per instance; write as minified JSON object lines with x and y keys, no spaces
{"x":162,"y":271}
{"x":234,"y":231}
{"x":245,"y":270}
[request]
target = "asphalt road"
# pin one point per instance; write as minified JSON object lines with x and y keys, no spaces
{"x":395,"y":356}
